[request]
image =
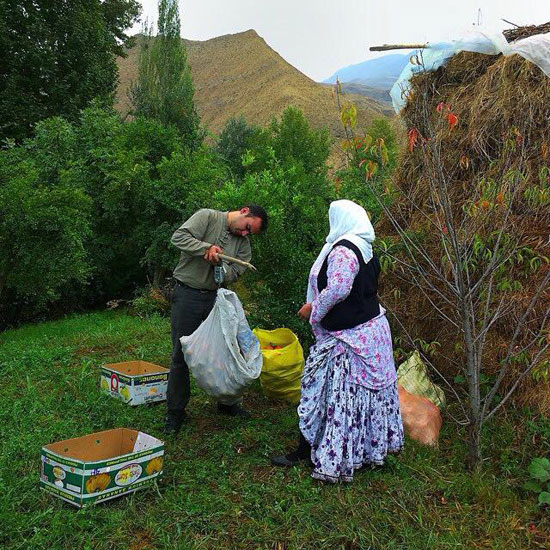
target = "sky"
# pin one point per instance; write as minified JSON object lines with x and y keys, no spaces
{"x":318,"y":37}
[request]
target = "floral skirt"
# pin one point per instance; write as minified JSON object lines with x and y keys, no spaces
{"x":347,"y":425}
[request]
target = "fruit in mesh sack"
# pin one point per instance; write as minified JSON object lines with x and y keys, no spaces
{"x":271,"y":346}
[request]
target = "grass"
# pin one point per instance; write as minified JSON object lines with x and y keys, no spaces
{"x":218,"y":488}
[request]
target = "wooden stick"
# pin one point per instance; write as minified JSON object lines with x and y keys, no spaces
{"x":510,"y":23}
{"x":386,"y":47}
{"x":236,"y":261}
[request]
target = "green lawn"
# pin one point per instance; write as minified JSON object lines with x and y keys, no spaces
{"x":218,"y":489}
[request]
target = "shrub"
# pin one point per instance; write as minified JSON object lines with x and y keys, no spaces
{"x":372,"y":157}
{"x":44,"y":223}
{"x":235,"y":139}
{"x":151,"y":300}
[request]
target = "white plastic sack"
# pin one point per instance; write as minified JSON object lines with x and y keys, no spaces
{"x":223,"y":354}
{"x":535,"y":49}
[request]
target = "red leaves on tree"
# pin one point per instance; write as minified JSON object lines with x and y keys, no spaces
{"x":413,"y":135}
{"x":484,"y":204}
{"x":464,"y":162}
{"x":445,"y":108}
{"x":452,"y":119}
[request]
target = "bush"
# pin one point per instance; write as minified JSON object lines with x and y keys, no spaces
{"x":87,"y":210}
{"x":145,"y":183}
{"x":151,"y":300}
{"x":373,"y":156}
{"x":44,"y":223}
{"x":236,"y":138}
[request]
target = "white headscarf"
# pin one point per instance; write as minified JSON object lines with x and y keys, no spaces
{"x":348,"y":221}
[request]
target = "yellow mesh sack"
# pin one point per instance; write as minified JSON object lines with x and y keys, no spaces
{"x":283,"y":363}
{"x":413,"y":376}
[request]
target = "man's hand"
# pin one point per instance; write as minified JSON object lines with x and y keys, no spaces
{"x":211,"y":255}
{"x":305,"y":311}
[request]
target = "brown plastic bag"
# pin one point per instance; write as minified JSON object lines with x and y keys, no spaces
{"x":421,"y":418}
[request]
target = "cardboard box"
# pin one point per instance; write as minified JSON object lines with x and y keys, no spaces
{"x":135,"y":382}
{"x":101,"y":466}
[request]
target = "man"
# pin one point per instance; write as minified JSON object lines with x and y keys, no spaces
{"x":201,"y":238}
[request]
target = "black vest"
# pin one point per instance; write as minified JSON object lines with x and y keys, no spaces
{"x":362,"y":303}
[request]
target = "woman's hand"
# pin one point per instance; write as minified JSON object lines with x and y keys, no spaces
{"x":305,"y":311}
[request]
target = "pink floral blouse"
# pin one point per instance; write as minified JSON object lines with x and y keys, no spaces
{"x":371,"y":359}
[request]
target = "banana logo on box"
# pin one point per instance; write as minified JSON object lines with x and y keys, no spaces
{"x":154,"y":466}
{"x":98,"y":483}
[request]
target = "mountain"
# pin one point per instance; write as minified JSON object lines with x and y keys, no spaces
{"x":381,"y":95}
{"x":239,"y":74}
{"x":379,"y":73}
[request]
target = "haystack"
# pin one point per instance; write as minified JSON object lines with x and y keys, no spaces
{"x":495,"y":99}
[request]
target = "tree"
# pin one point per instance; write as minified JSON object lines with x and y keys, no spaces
{"x":373,"y":157}
{"x":164,"y":90}
{"x":57,"y":55}
{"x":235,"y":139}
{"x":460,"y":246}
{"x":294,"y":141}
{"x":44,"y":220}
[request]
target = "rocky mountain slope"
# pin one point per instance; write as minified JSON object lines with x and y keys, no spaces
{"x":239,"y":74}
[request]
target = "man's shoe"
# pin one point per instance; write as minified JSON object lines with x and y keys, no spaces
{"x":174,"y":423}
{"x":291,"y":459}
{"x":233,"y":410}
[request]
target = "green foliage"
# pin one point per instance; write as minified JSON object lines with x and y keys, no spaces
{"x":247,"y":149}
{"x":294,"y":142}
{"x":57,"y":56}
{"x":150,"y":301}
{"x":44,"y":220}
{"x":236,"y":138}
{"x":539,"y":476}
{"x":148,"y":184}
{"x":186,"y":182}
{"x":348,"y":114}
{"x":541,"y":372}
{"x":538,"y":196}
{"x":522,"y":261}
{"x":93,"y":206}
{"x":164,"y":90}
{"x":138,"y":181}
{"x":371,"y":157}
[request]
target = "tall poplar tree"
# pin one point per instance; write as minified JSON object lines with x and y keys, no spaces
{"x":164,"y":90}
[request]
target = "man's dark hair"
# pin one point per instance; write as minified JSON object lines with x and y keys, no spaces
{"x":258,"y":212}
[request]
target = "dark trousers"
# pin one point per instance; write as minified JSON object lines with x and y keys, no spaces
{"x":190,"y":308}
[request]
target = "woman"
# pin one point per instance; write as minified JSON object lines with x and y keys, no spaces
{"x":349,"y":409}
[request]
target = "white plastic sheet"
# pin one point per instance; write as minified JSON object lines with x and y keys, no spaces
{"x":535,"y":49}
{"x":223,"y":354}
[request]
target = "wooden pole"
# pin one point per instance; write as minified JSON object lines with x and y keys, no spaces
{"x":386,"y":47}
{"x":236,"y":261}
